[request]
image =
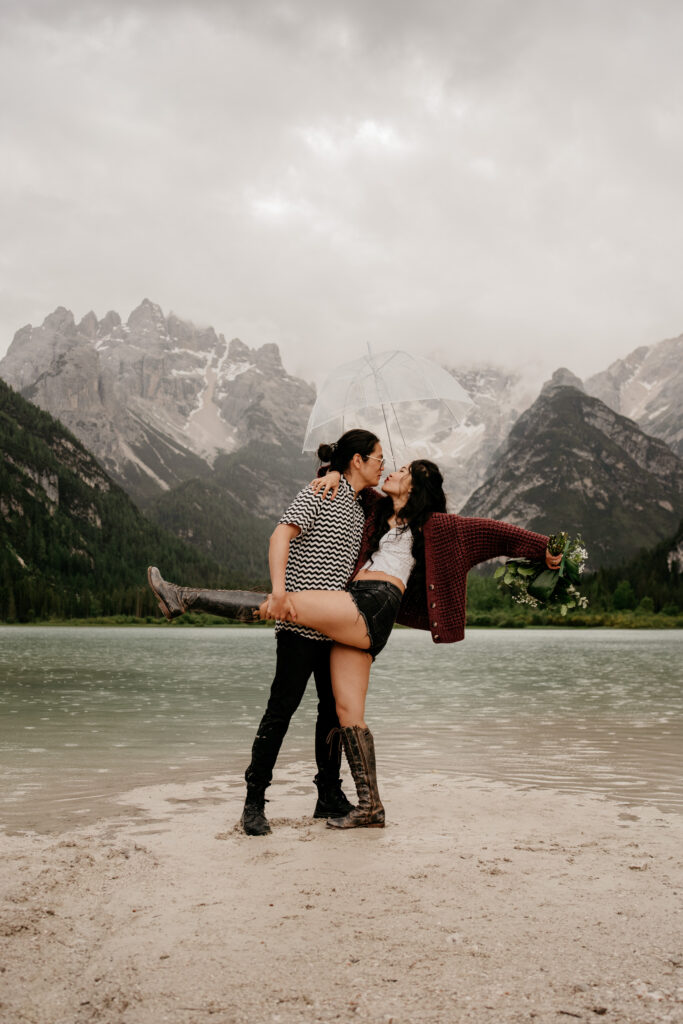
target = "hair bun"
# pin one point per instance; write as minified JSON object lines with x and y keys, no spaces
{"x":341,"y":452}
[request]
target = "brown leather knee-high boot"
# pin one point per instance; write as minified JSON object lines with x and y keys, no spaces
{"x":232,"y":604}
{"x":359,"y":748}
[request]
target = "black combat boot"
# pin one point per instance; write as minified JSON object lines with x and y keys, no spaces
{"x":332,"y":802}
{"x":254,"y":821}
{"x":231,"y":604}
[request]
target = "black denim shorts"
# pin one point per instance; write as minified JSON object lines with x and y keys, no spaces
{"x":378,"y":601}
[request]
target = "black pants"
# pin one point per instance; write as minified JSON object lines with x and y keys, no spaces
{"x":297,"y":658}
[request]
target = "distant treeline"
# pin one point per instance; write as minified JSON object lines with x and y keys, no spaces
{"x":652,"y":581}
{"x":649,"y":587}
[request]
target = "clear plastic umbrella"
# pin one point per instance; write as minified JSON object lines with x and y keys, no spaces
{"x":401,"y":397}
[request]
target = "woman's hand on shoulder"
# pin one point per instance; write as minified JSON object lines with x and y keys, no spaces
{"x":328,"y":484}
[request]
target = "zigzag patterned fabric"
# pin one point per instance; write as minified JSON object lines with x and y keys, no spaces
{"x":324,"y":554}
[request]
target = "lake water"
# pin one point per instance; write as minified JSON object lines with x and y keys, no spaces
{"x":87,"y":713}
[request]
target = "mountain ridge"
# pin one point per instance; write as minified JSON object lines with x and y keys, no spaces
{"x":571,"y":463}
{"x":156,"y":399}
{"x":203,"y":432}
{"x":647,"y":386}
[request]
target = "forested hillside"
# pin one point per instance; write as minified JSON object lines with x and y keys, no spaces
{"x":72,"y":543}
{"x":232,"y":514}
{"x":653,"y":577}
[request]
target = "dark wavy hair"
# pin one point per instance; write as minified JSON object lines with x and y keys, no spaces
{"x":426,"y":496}
{"x":353,"y":442}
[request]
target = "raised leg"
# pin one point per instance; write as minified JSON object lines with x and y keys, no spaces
{"x":232,"y":604}
{"x":332,"y":612}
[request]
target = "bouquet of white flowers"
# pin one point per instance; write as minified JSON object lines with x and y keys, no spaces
{"x":533,"y":584}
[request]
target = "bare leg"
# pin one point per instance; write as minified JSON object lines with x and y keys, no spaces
{"x":332,"y":612}
{"x":174,"y":600}
{"x":350,"y":669}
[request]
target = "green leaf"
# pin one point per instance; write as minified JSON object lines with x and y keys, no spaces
{"x":544,"y":585}
{"x":499,"y":572}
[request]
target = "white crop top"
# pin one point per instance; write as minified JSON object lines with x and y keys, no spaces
{"x":393,"y":556}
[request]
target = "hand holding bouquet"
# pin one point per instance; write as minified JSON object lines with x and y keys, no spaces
{"x":534,"y":584}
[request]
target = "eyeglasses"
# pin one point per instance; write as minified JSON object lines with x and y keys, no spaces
{"x":377,"y":459}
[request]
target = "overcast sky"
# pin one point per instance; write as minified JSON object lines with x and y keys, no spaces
{"x":481,"y":180}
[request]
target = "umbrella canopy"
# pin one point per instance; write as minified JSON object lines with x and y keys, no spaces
{"x":381,"y":390}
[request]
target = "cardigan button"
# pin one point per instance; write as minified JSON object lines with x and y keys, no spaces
{"x":433,"y":604}
{"x":434,"y":625}
{"x":431,"y":586}
{"x":436,"y":636}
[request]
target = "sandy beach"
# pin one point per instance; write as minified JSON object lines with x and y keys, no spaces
{"x":478,"y":902}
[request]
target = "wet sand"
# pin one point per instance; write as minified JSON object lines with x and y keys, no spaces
{"x":478,"y":902}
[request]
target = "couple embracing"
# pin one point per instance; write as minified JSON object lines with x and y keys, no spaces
{"x":344,"y":566}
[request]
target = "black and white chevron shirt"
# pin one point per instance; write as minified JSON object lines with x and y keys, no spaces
{"x":324,"y":554}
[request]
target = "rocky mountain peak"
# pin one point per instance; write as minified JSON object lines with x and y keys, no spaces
{"x":238,"y":352}
{"x":21,"y":337}
{"x":563,"y":378}
{"x":147,"y":314}
{"x":157,"y":399}
{"x":61,"y":321}
{"x":108,"y":323}
{"x":89,"y":325}
{"x":268,"y":358}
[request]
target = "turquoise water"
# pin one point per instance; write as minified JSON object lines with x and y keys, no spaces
{"x":87,"y":713}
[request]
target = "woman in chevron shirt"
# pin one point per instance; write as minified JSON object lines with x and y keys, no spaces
{"x":412,"y":568}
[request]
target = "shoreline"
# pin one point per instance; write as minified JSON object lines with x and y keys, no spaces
{"x":113,"y":801}
{"x":479,"y":901}
{"x":666,"y":622}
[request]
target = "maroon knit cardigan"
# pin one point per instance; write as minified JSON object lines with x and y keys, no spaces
{"x":453,"y":544}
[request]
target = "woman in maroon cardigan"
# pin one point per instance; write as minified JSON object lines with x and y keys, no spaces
{"x":412,"y":568}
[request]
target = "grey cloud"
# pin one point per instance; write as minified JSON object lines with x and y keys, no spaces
{"x":487,"y":179}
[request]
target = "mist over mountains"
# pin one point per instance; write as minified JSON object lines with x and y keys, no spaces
{"x":647,"y":387}
{"x":205,"y":434}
